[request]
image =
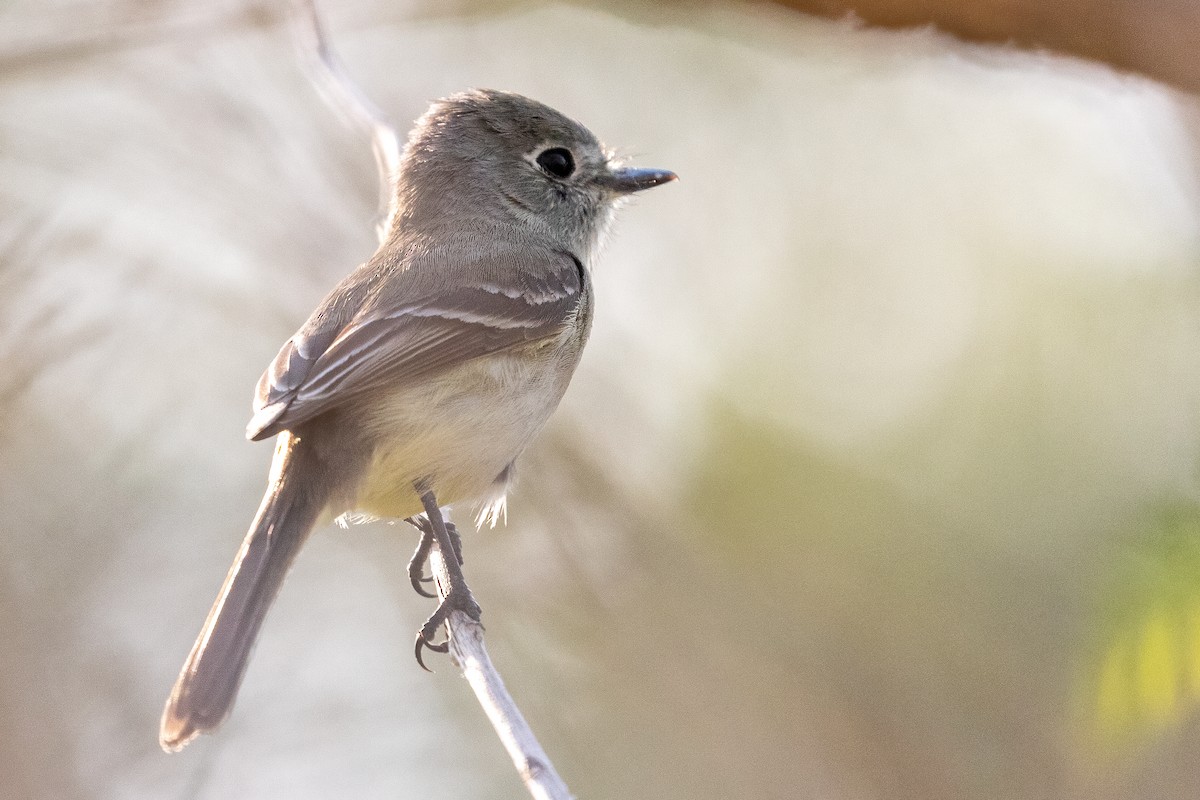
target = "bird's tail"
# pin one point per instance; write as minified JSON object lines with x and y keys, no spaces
{"x":207,"y":685}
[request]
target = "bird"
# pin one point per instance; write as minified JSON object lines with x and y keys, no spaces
{"x":423,"y":375}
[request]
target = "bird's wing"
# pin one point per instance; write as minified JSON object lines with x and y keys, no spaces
{"x":410,"y":335}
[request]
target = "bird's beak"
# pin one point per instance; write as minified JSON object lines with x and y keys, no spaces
{"x":626,"y":180}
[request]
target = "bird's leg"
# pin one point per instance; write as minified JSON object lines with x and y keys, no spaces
{"x":416,"y":565}
{"x":458,"y":594}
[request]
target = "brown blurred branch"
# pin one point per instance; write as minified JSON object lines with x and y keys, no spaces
{"x":1159,"y":39}
{"x":466,"y":635}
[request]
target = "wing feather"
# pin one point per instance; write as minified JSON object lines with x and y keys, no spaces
{"x":389,"y":342}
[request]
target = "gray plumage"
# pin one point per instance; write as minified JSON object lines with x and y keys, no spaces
{"x":436,"y":361}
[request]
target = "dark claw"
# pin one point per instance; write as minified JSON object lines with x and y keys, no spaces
{"x":429,"y":630}
{"x":418,"y":588}
{"x":421,"y":644}
{"x":416,"y":565}
{"x":416,"y":576}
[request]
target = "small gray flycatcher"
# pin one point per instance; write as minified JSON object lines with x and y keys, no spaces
{"x":423,"y":375}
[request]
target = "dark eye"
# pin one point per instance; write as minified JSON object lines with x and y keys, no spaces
{"x":557,"y":161}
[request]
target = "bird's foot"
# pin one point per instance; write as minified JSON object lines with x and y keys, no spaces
{"x":416,"y":565}
{"x":459,"y":599}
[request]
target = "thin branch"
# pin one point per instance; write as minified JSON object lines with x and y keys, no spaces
{"x":469,"y":653}
{"x":466,"y":635}
{"x":341,"y":92}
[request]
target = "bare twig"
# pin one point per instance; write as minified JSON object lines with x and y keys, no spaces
{"x":468,"y":651}
{"x":466,"y":635}
{"x":341,"y":92}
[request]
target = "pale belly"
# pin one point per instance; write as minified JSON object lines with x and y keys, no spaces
{"x":457,"y":432}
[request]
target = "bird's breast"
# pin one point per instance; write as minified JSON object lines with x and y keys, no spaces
{"x":458,"y":430}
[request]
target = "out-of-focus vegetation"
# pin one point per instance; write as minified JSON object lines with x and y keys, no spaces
{"x":1144,"y":679}
{"x":878,"y":479}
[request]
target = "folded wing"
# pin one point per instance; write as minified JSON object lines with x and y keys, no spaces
{"x":418,"y":329}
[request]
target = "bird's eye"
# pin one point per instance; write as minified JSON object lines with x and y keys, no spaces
{"x":557,"y":161}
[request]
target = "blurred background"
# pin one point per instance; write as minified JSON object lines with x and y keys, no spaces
{"x":878,"y":479}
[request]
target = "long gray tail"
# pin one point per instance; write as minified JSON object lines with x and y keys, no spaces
{"x":208,"y":683}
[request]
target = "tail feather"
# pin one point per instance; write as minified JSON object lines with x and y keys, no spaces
{"x":208,"y":683}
